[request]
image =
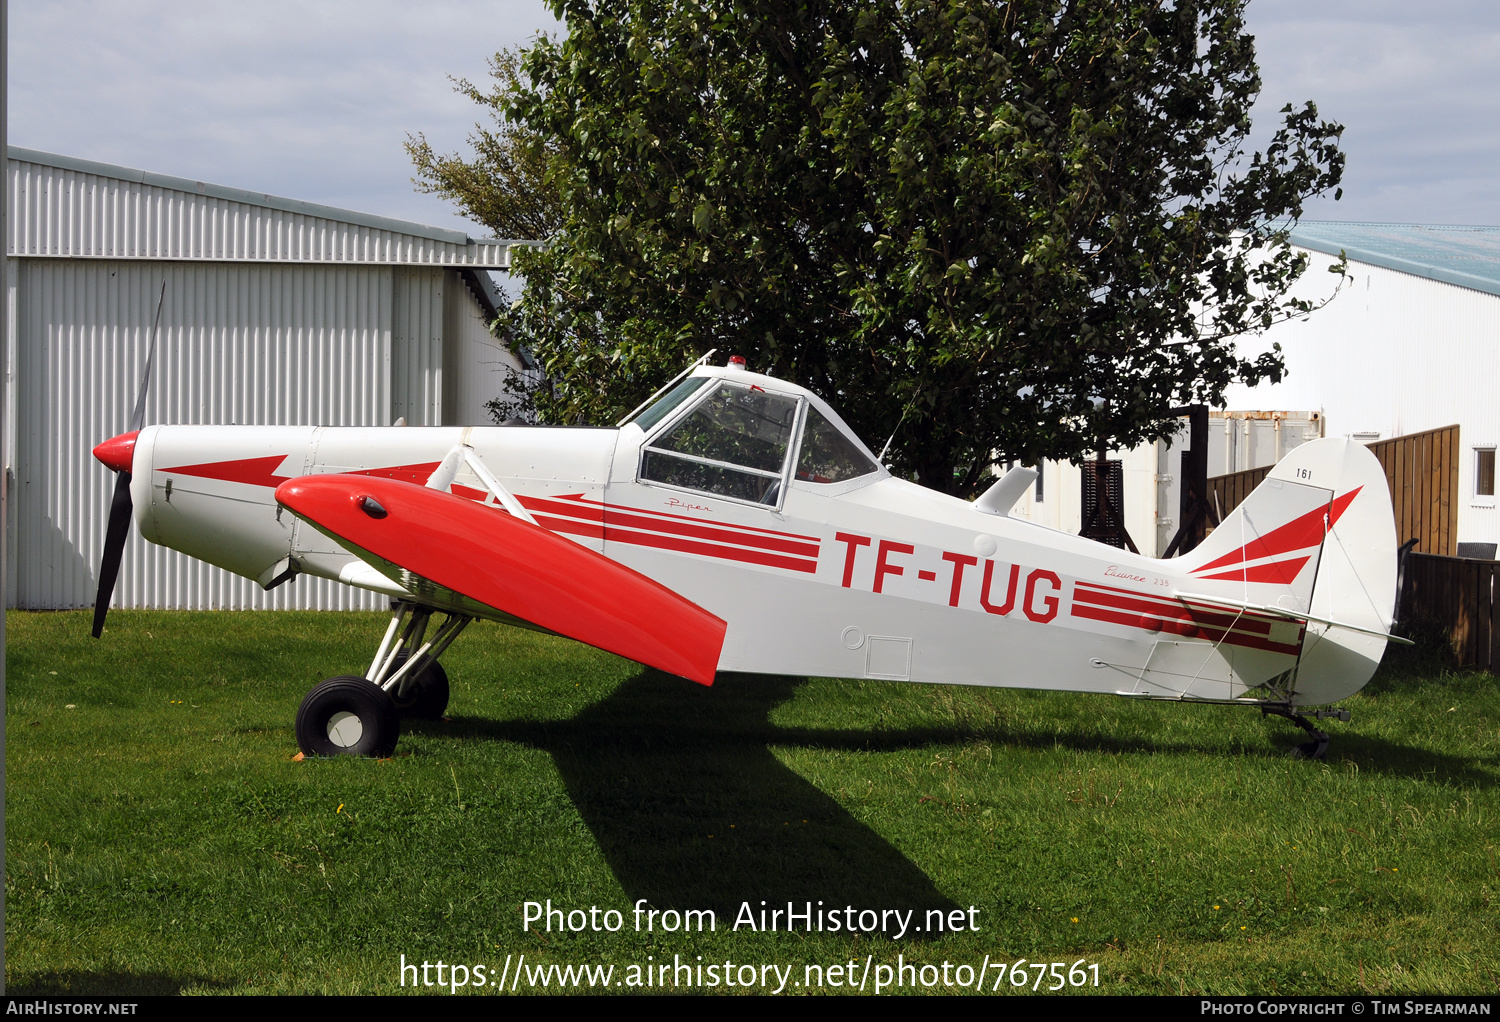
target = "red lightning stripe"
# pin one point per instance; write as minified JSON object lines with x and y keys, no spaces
{"x":252,"y":471}
{"x":1298,"y":534}
{"x":260,"y":472}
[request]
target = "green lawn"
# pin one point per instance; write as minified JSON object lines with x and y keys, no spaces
{"x":160,"y":836}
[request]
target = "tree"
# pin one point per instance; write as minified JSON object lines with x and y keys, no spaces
{"x":505,"y":187}
{"x":1028,"y":227}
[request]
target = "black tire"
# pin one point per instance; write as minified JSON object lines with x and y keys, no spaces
{"x":429,"y":698}
{"x":347,"y":716}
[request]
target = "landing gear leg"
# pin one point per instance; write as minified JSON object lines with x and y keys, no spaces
{"x":407,"y":667}
{"x":1317,"y":749}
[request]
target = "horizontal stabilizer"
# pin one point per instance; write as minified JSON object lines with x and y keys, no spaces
{"x":519,"y":569}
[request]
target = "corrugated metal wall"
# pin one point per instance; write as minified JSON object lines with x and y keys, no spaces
{"x":417,"y":345}
{"x":477,"y":364}
{"x":239,"y":343}
{"x":65,"y":211}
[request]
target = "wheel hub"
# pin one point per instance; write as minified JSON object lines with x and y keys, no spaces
{"x":345,"y":729}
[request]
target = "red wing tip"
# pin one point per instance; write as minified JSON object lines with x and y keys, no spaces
{"x":293,"y":488}
{"x":118,"y":452}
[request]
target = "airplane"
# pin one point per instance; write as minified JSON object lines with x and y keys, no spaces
{"x":734,"y":522}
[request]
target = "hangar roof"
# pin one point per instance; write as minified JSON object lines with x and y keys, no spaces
{"x":61,"y":206}
{"x":1466,"y":256}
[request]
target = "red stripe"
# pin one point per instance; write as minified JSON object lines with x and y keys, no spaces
{"x":1187,"y":630}
{"x":1215,"y":616}
{"x":580,"y":507}
{"x":572,"y":528}
{"x":614,"y":517}
{"x":611,"y":508}
{"x":1297,"y":534}
{"x":258,"y":471}
{"x":1177,"y":603}
{"x":688,"y":546}
{"x":572,"y":505}
{"x":647,"y":520}
{"x":1284,"y":572}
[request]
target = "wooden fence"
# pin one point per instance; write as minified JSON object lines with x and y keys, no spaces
{"x":1459,"y":596}
{"x":1227,"y":492}
{"x":1421,"y":470}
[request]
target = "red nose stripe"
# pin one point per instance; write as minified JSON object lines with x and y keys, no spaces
{"x":515,"y":567}
{"x":118,"y":452}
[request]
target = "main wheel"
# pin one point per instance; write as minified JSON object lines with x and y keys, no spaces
{"x":347,"y":716}
{"x":428,"y":698}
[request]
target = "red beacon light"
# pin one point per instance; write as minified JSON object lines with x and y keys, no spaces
{"x":737,"y":362}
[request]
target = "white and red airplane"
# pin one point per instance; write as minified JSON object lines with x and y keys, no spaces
{"x":735,"y":523}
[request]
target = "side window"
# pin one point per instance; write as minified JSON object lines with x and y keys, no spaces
{"x":828,"y":456}
{"x":734,"y":444}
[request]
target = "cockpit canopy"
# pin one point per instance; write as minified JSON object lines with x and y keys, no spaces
{"x":731,"y":437}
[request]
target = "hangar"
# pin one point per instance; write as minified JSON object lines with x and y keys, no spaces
{"x":276,"y":311}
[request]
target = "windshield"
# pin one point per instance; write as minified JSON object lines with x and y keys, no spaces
{"x":659,"y":409}
{"x":734,"y":444}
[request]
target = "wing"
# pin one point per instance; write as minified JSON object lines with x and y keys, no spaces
{"x":519,"y":569}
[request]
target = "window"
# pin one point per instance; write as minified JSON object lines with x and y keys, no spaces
{"x":733,"y":444}
{"x":1484,"y":475}
{"x":828,"y":456}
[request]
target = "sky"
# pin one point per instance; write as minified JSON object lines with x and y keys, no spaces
{"x":314,"y":101}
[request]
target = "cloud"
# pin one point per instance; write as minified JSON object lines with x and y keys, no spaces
{"x":314,"y":100}
{"x":1417,"y":88}
{"x":308,"y":100}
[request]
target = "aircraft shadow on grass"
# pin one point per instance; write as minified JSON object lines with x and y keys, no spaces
{"x":692,"y":810}
{"x":661,"y":764}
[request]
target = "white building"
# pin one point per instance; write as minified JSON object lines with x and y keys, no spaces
{"x":1411,"y":342}
{"x":275,"y":311}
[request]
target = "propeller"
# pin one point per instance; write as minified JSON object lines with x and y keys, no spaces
{"x":118,"y":453}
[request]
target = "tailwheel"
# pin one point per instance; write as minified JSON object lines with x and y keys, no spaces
{"x":347,"y":716}
{"x":426,"y":696}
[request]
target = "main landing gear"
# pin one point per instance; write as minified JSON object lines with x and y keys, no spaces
{"x":353,"y":716}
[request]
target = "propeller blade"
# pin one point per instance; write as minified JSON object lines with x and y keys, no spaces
{"x":138,"y":417}
{"x":114,"y":548}
{"x":118,"y":452}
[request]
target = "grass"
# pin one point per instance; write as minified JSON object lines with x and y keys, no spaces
{"x":161,"y":839}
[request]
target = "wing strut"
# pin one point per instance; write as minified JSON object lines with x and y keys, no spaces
{"x":463,"y":454}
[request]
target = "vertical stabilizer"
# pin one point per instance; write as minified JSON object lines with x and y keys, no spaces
{"x":1317,"y":537}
